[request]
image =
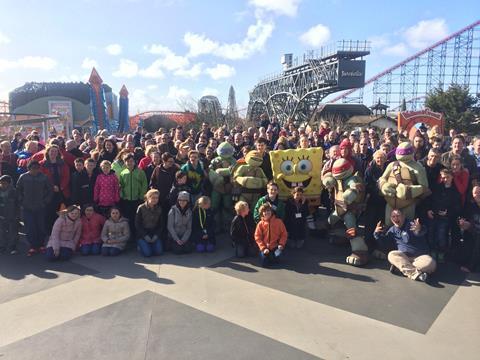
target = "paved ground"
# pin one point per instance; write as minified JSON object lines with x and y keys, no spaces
{"x":213,"y":306}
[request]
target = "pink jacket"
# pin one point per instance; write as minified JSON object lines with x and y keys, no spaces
{"x":65,"y":233}
{"x":92,"y":229}
{"x":107,"y":190}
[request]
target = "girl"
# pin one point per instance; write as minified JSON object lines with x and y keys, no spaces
{"x":65,"y":234}
{"x":242,"y":230}
{"x":203,"y":225}
{"x":106,"y":192}
{"x":179,"y":224}
{"x":118,"y":165}
{"x":296,"y":213}
{"x":270,"y":236}
{"x":115,"y":233}
{"x":148,"y":225}
{"x":91,"y":238}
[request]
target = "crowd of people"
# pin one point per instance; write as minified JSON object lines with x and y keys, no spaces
{"x":100,"y":193}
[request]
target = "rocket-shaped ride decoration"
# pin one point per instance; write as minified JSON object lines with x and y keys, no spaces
{"x":97,"y":102}
{"x":123,"y":119}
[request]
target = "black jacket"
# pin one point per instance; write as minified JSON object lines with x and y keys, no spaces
{"x":162,"y":179}
{"x":242,"y":230}
{"x":82,"y":187}
{"x":444,"y":198}
{"x":34,"y":192}
{"x":296,"y":224}
{"x":200,"y":224}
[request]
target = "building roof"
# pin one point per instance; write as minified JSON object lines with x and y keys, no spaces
{"x":344,"y":109}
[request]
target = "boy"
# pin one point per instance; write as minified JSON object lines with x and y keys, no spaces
{"x":195,"y":174}
{"x":277,"y":205}
{"x":270,"y":236}
{"x":83,"y":181}
{"x":9,"y":213}
{"x":296,"y":214}
{"x":242,"y":230}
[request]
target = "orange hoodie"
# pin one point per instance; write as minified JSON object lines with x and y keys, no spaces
{"x":269,"y":234}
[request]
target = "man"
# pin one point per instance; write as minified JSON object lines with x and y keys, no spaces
{"x":476,"y":151}
{"x":365,"y":155}
{"x":411,"y":257}
{"x":16,"y":141}
{"x":205,"y":131}
{"x":419,"y":148}
{"x":34,"y":193}
{"x":458,"y":148}
{"x":238,"y":143}
{"x":261,"y":146}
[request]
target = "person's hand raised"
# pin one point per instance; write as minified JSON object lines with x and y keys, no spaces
{"x":416,"y":226}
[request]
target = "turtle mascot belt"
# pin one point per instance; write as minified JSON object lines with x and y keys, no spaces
{"x":220,"y":177}
{"x":249,"y":180}
{"x":299,"y":168}
{"x":349,"y":196}
{"x":403,"y":183}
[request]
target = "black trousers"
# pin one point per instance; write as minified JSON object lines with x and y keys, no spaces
{"x":129,"y":210}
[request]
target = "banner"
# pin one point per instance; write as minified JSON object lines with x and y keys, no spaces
{"x":64,"y":124}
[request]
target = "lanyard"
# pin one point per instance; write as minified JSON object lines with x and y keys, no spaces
{"x":202,"y":215}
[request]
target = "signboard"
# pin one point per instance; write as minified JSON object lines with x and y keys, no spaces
{"x":64,"y":110}
{"x":351,"y":73}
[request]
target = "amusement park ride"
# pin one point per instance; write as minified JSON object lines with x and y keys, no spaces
{"x":298,"y":90}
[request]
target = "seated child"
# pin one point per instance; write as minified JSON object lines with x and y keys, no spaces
{"x":66,"y":232}
{"x":149,"y":225}
{"x":203,"y":225}
{"x":179,"y":224}
{"x":92,"y":225}
{"x":270,"y":236}
{"x":115,"y":233}
{"x":242,"y":230}
{"x":296,"y":213}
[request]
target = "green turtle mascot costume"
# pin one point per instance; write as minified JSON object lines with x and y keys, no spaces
{"x":349,"y":197}
{"x":220,"y":177}
{"x":249,"y":179}
{"x":403,"y":182}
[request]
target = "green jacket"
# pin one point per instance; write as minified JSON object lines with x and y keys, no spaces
{"x":133,"y":185}
{"x":278,"y":206}
{"x":118,"y":167}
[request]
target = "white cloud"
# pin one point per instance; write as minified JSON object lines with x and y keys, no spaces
{"x":4,"y":39}
{"x":152,"y":87}
{"x":279,"y":7}
{"x":174,"y":93}
{"x":210,"y":91}
{"x":379,"y":41}
{"x":254,"y":41}
{"x":154,"y":71}
{"x":126,"y":69}
{"x":29,"y":62}
{"x":316,"y":36}
{"x":88,"y":63}
{"x":426,"y":32}
{"x":114,"y":49}
{"x":399,"y":49}
{"x":157,"y":49}
{"x":190,"y":73}
{"x":220,"y":71}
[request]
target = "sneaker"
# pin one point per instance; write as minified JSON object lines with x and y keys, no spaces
{"x":32,"y":252}
{"x":423,"y":277}
{"x":13,"y":252}
{"x":42,"y":250}
{"x":210,"y":248}
{"x":394,"y":270}
{"x":200,"y":248}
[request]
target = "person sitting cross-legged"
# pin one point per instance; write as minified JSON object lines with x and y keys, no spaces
{"x":411,"y":257}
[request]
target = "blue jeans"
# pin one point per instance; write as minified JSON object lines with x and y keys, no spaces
{"x":269,"y":259}
{"x":35,"y":227}
{"x":64,"y":254}
{"x":91,"y":249}
{"x":148,"y":249}
{"x":110,"y":251}
{"x":438,"y":234}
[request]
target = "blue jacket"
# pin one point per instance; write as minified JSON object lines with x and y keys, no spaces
{"x":404,"y":239}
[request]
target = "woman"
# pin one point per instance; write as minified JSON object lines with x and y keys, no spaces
{"x":58,"y":173}
{"x":109,"y":151}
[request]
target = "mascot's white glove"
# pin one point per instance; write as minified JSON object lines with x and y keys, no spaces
{"x":401,"y":191}
{"x":328,"y":181}
{"x":388,"y":189}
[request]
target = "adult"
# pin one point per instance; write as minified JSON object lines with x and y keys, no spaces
{"x":459,"y":149}
{"x":109,"y":151}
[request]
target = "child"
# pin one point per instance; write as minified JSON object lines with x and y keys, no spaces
{"x":203,"y":225}
{"x":91,"y":238}
{"x":296,"y":213}
{"x":179,"y":185}
{"x":277,"y":205}
{"x":115,"y":233}
{"x":149,"y":225}
{"x":444,"y":210}
{"x":195,"y":174}
{"x":270,"y":236}
{"x":179,"y":224}
{"x":9,"y":214}
{"x":66,"y":232}
{"x":83,"y":181}
{"x":107,"y":189}
{"x":242,"y":230}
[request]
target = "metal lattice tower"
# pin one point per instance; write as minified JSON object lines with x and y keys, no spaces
{"x":453,"y":60}
{"x":232,"y":113}
{"x":297,"y":91}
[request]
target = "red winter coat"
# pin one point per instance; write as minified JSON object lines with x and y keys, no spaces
{"x":143,"y":164}
{"x":107,"y":190}
{"x":92,"y":229}
{"x":63,"y":171}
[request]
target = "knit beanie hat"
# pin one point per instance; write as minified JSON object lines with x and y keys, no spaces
{"x":183,"y":195}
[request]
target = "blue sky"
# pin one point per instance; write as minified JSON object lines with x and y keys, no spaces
{"x":166,"y":50}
